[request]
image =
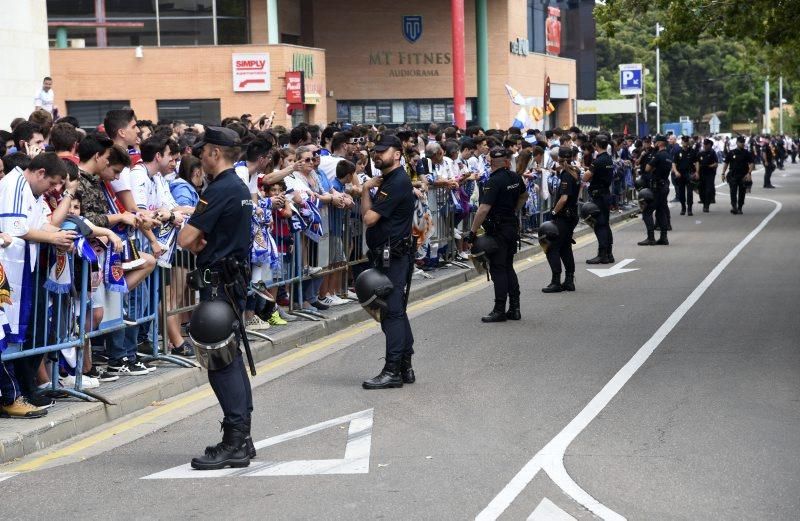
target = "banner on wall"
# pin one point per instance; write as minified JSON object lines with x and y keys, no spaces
{"x":295,"y":91}
{"x":553,"y":31}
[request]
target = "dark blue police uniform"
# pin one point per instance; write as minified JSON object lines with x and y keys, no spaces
{"x":600,"y":191}
{"x":685,"y":161}
{"x":394,"y":202}
{"x":661,"y":167}
{"x":738,"y":161}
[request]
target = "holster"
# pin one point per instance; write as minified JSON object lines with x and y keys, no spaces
{"x":228,"y":270}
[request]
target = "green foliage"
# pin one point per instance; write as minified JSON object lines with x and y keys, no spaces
{"x":700,"y":74}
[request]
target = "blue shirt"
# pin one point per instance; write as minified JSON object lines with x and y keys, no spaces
{"x":184,"y":193}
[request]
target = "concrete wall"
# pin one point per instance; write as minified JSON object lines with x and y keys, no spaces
{"x":165,"y":73}
{"x":26,"y":61}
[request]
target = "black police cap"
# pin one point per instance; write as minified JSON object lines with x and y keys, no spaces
{"x":385,"y":142}
{"x":221,"y":136}
{"x":498,"y":152}
{"x":707,"y":141}
{"x":661,"y":138}
{"x":685,"y":138}
{"x":740,"y":139}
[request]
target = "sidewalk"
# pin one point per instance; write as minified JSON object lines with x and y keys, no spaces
{"x":69,"y":418}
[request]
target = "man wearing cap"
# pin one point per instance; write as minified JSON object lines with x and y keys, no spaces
{"x":707,"y":162}
{"x":741,"y":163}
{"x":502,"y":197}
{"x":388,"y":220}
{"x":684,"y":169}
{"x":600,"y":177}
{"x":218,"y":232}
{"x":660,"y":166}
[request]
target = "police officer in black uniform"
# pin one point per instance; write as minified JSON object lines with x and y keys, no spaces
{"x":707,"y":162}
{"x":684,"y":169}
{"x":740,"y":162}
{"x":565,"y":217}
{"x":503,"y":195}
{"x":219,"y":234}
{"x":659,"y":168}
{"x":388,"y":220}
{"x":600,"y":176}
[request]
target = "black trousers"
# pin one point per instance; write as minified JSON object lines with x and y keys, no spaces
{"x":768,"y":169}
{"x":707,"y":191}
{"x":501,"y":267}
{"x":231,"y":384}
{"x":602,"y":228}
{"x":661,"y":208}
{"x":561,"y":249}
{"x":394,"y":323}
{"x":736,"y":185}
{"x":684,"y":190}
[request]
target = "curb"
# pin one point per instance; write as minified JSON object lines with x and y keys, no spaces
{"x":19,"y":438}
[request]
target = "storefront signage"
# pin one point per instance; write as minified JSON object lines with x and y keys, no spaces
{"x":250,"y":72}
{"x":408,"y":64}
{"x":553,"y":31}
{"x":520,"y":47}
{"x":295,"y":92}
{"x":412,"y":28}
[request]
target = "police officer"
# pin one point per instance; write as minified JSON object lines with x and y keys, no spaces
{"x":659,"y":168}
{"x":565,"y":217}
{"x":503,"y":195}
{"x":219,"y":234}
{"x":707,"y":165}
{"x":388,"y":220}
{"x":684,"y":170}
{"x":600,"y":176}
{"x":740,"y":162}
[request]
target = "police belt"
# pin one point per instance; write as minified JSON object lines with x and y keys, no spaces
{"x":397,"y":249}
{"x":600,"y":192}
{"x":225,"y":271}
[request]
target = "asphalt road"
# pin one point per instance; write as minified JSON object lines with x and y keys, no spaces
{"x":701,"y":421}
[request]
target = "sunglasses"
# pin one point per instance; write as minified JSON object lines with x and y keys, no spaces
{"x":357,"y":140}
{"x":307,"y":160}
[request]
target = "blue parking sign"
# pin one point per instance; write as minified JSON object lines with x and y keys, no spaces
{"x":630,"y":79}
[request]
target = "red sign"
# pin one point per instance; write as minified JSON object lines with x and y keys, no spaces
{"x":250,"y":72}
{"x":553,"y":30}
{"x":295,"y":91}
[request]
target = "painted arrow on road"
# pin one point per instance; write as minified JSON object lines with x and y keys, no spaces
{"x":548,"y":511}
{"x":616,"y":269}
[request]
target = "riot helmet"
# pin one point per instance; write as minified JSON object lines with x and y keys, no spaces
{"x":548,"y":234}
{"x":482,"y":248}
{"x":640,"y":183}
{"x":213,"y":333}
{"x":589,"y":213}
{"x":372,"y":287}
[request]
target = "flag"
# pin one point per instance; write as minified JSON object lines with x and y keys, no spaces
{"x":547,"y":106}
{"x":515,"y":96}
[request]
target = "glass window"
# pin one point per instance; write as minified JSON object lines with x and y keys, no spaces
{"x":70,"y":9}
{"x":130,"y":8}
{"x":187,"y":31}
{"x":132,"y":36}
{"x":91,"y":113}
{"x":177,"y":8}
{"x":205,"y":111}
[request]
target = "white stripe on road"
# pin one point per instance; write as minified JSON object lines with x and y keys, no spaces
{"x":551,"y":458}
{"x":549,"y":511}
{"x":6,"y":475}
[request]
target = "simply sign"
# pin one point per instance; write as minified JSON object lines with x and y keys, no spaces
{"x":250,"y":72}
{"x":630,"y":79}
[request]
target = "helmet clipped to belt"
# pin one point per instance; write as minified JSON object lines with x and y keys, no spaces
{"x":641,"y":183}
{"x":589,"y":213}
{"x":482,"y":248}
{"x":548,"y":234}
{"x":212,"y":332}
{"x":372,"y":288}
{"x":646,"y":197}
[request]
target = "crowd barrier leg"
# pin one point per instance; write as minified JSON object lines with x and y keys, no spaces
{"x":159,"y":315}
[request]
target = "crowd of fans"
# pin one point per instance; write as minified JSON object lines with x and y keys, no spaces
{"x":116,"y":195}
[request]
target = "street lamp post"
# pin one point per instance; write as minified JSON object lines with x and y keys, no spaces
{"x":780,"y":104}
{"x":658,"y":81}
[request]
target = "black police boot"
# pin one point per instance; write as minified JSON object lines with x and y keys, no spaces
{"x":230,"y":452}
{"x":609,"y":256}
{"x":705,"y":208}
{"x":513,"y":312}
{"x":406,"y":371}
{"x":498,"y":314}
{"x":555,"y":284}
{"x":248,"y":440}
{"x":650,"y":241}
{"x":689,"y":211}
{"x":601,"y":255}
{"x":662,"y":240}
{"x":387,"y":379}
{"x":734,"y":211}
{"x":683,"y":210}
{"x":569,"y":282}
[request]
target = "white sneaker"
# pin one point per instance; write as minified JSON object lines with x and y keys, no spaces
{"x":351,"y":295}
{"x":256,"y":323}
{"x":87,"y":382}
{"x":328,"y":301}
{"x":337,"y":301}
{"x":457,"y":234}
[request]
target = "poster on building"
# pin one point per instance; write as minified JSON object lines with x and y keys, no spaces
{"x":425,"y":115}
{"x":294,"y":87}
{"x":553,"y":31}
{"x":412,"y":111}
{"x":385,"y":112}
{"x":342,"y":111}
{"x":439,"y":114}
{"x":450,"y":112}
{"x":356,"y":114}
{"x":370,"y":114}
{"x":398,"y":115}
{"x":250,"y":72}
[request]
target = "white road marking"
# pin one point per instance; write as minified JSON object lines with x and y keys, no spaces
{"x":549,"y":511}
{"x":7,"y":475}
{"x":616,"y":269}
{"x":355,"y":461}
{"x":550,"y":459}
